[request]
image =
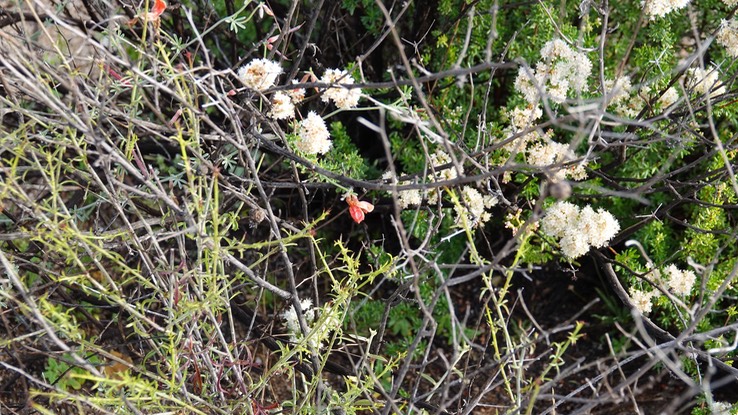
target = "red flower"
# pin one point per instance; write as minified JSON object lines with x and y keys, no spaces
{"x":158,"y":9}
{"x":153,"y":16}
{"x":357,"y":209}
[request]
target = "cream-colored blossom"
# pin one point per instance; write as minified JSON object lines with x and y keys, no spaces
{"x":521,"y":142}
{"x":668,"y":98}
{"x":573,"y":245}
{"x":291,"y":320}
{"x":705,"y":81}
{"x":260,"y":74}
{"x":620,"y":93}
{"x":472,"y":207}
{"x":532,"y":83}
{"x":320,"y":321}
{"x":558,"y":218}
{"x":327,"y":321}
{"x":722,"y":408}
{"x":297,"y":94}
{"x":604,"y":228}
{"x":282,"y":107}
{"x":730,"y":3}
{"x":437,"y":159}
{"x":679,"y":282}
{"x":560,"y":71}
{"x":577,"y":172}
{"x":641,"y":300}
{"x":405,"y":198}
{"x":522,"y":118}
{"x":653,"y":273}
{"x":343,"y":97}
{"x":660,"y":8}
{"x":579,"y":229}
{"x":546,"y":154}
{"x":728,"y":36}
{"x":550,"y":153}
{"x":313,"y":136}
{"x":440,"y":158}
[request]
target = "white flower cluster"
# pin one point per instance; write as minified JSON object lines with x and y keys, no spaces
{"x":343,"y":97}
{"x":660,"y":8}
{"x":679,"y":282}
{"x":669,"y":97}
{"x":560,"y":70}
{"x":321,"y":322}
{"x":290,"y":317}
{"x":260,"y":74}
{"x":297,"y":94}
{"x":522,"y":118}
{"x":626,"y":100}
{"x":472,"y":206}
{"x":541,"y":154}
{"x":622,"y":102}
{"x":437,"y":159}
{"x":722,"y":408}
{"x":313,"y":136}
{"x":579,"y":229}
{"x":730,"y":3}
{"x":549,"y":153}
{"x":440,"y":158}
{"x":282,"y":106}
{"x":728,"y":36}
{"x":642,"y":300}
{"x":675,"y":280}
{"x":405,"y":198}
{"x":704,"y":81}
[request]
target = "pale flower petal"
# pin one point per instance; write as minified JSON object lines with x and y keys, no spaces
{"x":260,"y":74}
{"x":641,"y":300}
{"x":343,"y":97}
{"x":313,"y":135}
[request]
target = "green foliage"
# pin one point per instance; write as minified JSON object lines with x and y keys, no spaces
{"x":65,"y":374}
{"x":183,"y":251}
{"x":344,"y":157}
{"x":371,"y":15}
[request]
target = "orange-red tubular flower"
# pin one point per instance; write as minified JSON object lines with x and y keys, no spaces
{"x":158,"y":9}
{"x":357,"y":208}
{"x":153,"y":16}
